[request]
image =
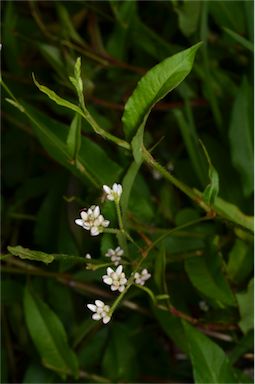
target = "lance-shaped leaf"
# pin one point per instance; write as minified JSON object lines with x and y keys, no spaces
{"x":25,"y":253}
{"x":209,"y":362}
{"x":59,"y":100}
{"x":49,"y":336}
{"x":155,"y":85}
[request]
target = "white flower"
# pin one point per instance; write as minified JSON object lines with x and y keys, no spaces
{"x":116,"y":279}
{"x":115,"y":255}
{"x":114,"y":193}
{"x":92,"y":220}
{"x":140,"y":278}
{"x":101,"y":311}
{"x":87,"y":256}
{"x":203,"y":305}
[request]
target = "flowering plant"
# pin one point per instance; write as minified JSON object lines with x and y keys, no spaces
{"x":127,"y":191}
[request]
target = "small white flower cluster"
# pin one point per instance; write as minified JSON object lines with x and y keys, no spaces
{"x":113,"y":193}
{"x":101,"y":311}
{"x":115,"y":255}
{"x":116,"y":279}
{"x":140,"y":278}
{"x":92,"y":220}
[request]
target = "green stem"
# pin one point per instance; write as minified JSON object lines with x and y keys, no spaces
{"x":190,"y":223}
{"x":112,"y":230}
{"x":103,"y":133}
{"x":122,"y":233}
{"x":120,"y":297}
{"x":183,"y":187}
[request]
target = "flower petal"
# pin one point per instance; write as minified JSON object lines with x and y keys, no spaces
{"x":105,"y":223}
{"x":108,"y":280}
{"x":106,"y":319}
{"x":96,"y":316}
{"x":119,"y":269}
{"x":79,"y":222}
{"x":92,"y":307}
{"x":109,"y":271}
{"x":96,"y":211}
{"x":99,"y":303}
{"x":84,"y":215}
{"x":94,"y":231}
{"x":107,"y":189}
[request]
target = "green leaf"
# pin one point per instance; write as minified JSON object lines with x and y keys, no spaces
{"x":239,"y":39}
{"x":245,"y":344}
{"x":154,"y":85}
{"x":240,"y":262}
{"x":77,"y":80}
{"x":173,"y":328}
{"x":25,"y":253}
{"x":67,"y":25}
{"x":53,"y":56}
{"x":35,"y":373}
{"x":94,"y":161}
{"x":233,"y":213}
{"x":206,"y":275}
{"x":119,"y":361}
{"x":157,"y":82}
{"x":209,"y":362}
{"x":212,"y":190}
{"x":90,"y":354}
{"x":230,"y":17}
{"x":188,"y":15}
{"x":49,"y":336}
{"x":127,"y":184}
{"x":240,"y":136}
{"x":59,"y":100}
{"x":246,"y":307}
{"x":74,"y":137}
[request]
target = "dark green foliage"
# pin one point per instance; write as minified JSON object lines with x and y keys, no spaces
{"x":156,"y":96}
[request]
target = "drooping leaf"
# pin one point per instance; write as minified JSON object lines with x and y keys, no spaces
{"x":49,"y":336}
{"x":25,"y":253}
{"x":209,"y":362}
